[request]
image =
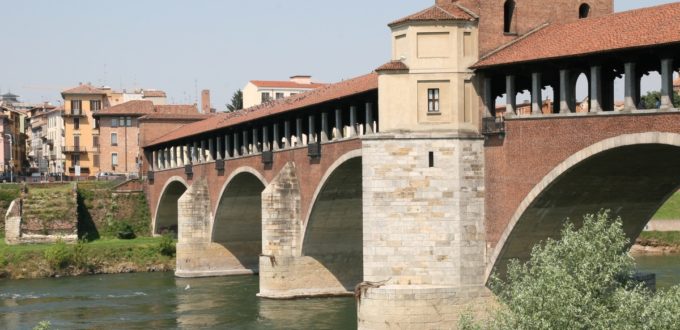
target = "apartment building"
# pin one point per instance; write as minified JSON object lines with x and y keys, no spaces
{"x":260,"y":91}
{"x":126,"y":127}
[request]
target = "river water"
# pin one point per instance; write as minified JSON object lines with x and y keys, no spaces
{"x":161,"y":301}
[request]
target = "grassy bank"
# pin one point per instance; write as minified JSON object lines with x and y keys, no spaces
{"x":669,"y":210}
{"x":659,"y":238}
{"x":105,"y":256}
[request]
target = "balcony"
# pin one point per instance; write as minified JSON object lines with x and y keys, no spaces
{"x":83,"y":170}
{"x":493,"y":126}
{"x":75,"y":149}
{"x":74,"y":113}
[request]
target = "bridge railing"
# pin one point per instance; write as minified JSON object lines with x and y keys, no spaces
{"x":493,"y":126}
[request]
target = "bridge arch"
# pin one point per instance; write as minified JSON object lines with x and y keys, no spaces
{"x":165,"y":217}
{"x":333,"y":228}
{"x":631,"y":174}
{"x":237,"y":220}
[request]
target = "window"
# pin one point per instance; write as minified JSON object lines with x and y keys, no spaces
{"x":75,"y":160}
{"x":584,"y":10}
{"x":95,"y":105}
{"x":114,"y":139}
{"x":508,"y":13}
{"x":433,"y":100}
{"x":95,"y":160}
{"x":128,"y":121}
{"x":96,"y":123}
{"x":265,"y":97}
{"x":279,"y":96}
{"x":121,"y":121}
{"x":76,"y":142}
{"x":76,"y":107}
{"x":114,"y":159}
{"x":76,"y":123}
{"x":114,"y":122}
{"x":95,"y":141}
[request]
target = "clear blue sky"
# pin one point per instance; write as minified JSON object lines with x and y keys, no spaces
{"x":184,"y":46}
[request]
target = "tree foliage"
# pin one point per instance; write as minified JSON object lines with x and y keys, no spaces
{"x":653,"y":100}
{"x":236,"y":101}
{"x":582,"y":281}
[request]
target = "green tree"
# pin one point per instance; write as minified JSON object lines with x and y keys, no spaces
{"x":581,"y":281}
{"x":652,"y":100}
{"x":236,"y":101}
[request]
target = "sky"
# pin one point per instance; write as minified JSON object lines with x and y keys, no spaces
{"x":185,"y":46}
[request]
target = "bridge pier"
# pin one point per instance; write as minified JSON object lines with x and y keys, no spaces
{"x":424,"y":235}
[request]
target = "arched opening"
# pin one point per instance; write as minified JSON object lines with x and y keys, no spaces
{"x":238,"y":219}
{"x":333,"y":235}
{"x":166,"y":212}
{"x":650,"y":90}
{"x":631,"y":180}
{"x":584,"y":10}
{"x":508,"y":13}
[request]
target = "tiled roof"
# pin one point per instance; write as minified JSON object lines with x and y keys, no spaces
{"x":626,"y":30}
{"x":84,"y":89}
{"x":176,"y":116}
{"x":442,"y":12}
{"x":145,"y":107}
{"x":285,"y":84}
{"x":327,"y":93}
{"x":153,"y":93}
{"x":392,"y":66}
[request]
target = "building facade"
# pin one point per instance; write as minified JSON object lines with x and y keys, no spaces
{"x":260,"y":91}
{"x":124,"y":128}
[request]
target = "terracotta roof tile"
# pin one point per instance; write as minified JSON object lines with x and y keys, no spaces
{"x":626,"y":30}
{"x":84,"y":89}
{"x":392,"y":66}
{"x":176,"y":116}
{"x":145,"y":107}
{"x":153,"y":93}
{"x":442,"y":12}
{"x":285,"y":84}
{"x":327,"y":93}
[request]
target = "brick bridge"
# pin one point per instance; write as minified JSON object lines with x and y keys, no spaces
{"x":396,"y":178}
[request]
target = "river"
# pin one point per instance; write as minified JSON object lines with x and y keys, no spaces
{"x":161,"y":301}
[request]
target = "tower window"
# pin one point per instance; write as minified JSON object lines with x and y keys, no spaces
{"x":508,"y":14}
{"x":433,"y":100}
{"x":583,"y":10}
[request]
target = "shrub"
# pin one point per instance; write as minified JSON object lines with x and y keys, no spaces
{"x":580,"y":282}
{"x":125,"y":231}
{"x":43,"y":325}
{"x":58,"y":256}
{"x":167,"y":245}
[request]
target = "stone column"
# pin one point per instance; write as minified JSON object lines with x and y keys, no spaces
{"x":666,"y":83}
{"x":219,"y":148}
{"x":246,"y":144}
{"x":173,"y":157}
{"x":194,"y":153}
{"x":630,"y":87}
{"x":286,"y":135}
{"x":338,"y":124}
{"x":256,"y":140}
{"x":311,"y":130}
{"x":211,"y":150}
{"x":180,"y":155}
{"x":201,"y":152}
{"x":353,"y":121}
{"x":154,"y":161}
{"x":510,"y":96}
{"x":565,"y":96}
{"x":595,"y":88}
{"x":166,"y":158}
{"x":276,"y":141}
{"x":298,"y":132}
{"x":536,"y":94}
{"x":325,"y":136}
{"x":489,"y":107}
{"x":369,"y":118}
{"x":265,"y":138}
{"x":237,"y":145}
{"x":228,"y":147}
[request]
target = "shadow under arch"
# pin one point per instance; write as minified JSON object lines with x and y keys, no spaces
{"x":333,"y":233}
{"x":237,"y":224}
{"x":632,"y":175}
{"x":166,"y":218}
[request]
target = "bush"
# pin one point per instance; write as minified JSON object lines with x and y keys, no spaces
{"x":125,"y":231}
{"x":166,"y":246}
{"x":580,"y":282}
{"x":58,"y":256}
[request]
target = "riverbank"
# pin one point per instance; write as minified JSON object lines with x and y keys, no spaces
{"x":104,"y":256}
{"x":657,"y":242}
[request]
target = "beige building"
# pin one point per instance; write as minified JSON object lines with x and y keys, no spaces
{"x":125,"y":127}
{"x":260,"y":91}
{"x":46,"y":140}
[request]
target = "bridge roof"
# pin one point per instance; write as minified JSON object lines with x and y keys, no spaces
{"x":327,"y":93}
{"x":653,"y":26}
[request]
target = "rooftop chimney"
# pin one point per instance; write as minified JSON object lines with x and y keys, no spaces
{"x":205,"y":101}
